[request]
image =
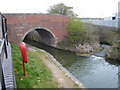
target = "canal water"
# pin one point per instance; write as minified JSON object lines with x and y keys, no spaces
{"x":93,"y":71}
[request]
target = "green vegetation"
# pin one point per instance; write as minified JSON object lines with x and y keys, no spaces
{"x":76,"y":31}
{"x":108,"y":37}
{"x":114,"y":53}
{"x":79,"y":33}
{"x":75,"y":26}
{"x":38,"y":76}
{"x":61,"y":9}
{"x":89,"y":36}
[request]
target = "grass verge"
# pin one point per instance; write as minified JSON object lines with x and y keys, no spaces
{"x":38,"y":75}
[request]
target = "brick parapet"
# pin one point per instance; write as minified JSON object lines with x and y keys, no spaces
{"x":21,"y":23}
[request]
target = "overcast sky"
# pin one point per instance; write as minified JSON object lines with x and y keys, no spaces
{"x":84,"y":8}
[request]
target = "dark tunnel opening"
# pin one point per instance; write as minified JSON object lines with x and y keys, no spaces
{"x":41,"y":35}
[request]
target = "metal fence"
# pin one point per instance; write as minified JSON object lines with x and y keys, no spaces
{"x":3,"y":47}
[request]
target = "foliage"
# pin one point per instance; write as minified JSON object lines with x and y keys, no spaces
{"x":75,"y":26}
{"x":113,"y":54}
{"x":61,"y":9}
{"x":38,"y":76}
{"x":84,"y":33}
{"x":79,"y":33}
{"x":108,"y":37}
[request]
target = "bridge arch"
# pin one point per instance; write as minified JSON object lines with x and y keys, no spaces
{"x":19,"y":25}
{"x":45,"y":35}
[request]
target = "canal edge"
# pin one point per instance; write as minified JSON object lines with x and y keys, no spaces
{"x":65,"y":70}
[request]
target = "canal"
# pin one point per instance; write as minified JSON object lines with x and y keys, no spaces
{"x":92,"y":71}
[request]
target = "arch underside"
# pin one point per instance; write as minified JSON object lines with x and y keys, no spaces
{"x":43,"y":35}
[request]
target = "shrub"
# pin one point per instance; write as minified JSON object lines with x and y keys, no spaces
{"x":108,"y":37}
{"x":80,"y":32}
{"x":75,"y":26}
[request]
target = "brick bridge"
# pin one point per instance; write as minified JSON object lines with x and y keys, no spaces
{"x":51,"y":28}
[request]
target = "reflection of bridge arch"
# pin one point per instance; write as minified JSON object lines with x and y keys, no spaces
{"x":45,"y":34}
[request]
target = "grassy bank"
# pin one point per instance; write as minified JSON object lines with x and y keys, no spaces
{"x":38,"y":75}
{"x":113,"y":53}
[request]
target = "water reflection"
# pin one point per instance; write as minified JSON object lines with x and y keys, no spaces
{"x":96,"y":73}
{"x":66,"y":58}
{"x":93,"y":71}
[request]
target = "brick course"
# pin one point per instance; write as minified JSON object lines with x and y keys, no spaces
{"x":20,"y":24}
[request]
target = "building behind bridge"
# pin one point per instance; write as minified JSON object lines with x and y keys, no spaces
{"x":111,"y":21}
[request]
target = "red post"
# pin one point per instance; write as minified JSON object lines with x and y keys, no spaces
{"x":24,"y":69}
{"x":24,"y":56}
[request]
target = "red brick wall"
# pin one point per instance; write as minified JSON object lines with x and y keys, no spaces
{"x":19,"y":24}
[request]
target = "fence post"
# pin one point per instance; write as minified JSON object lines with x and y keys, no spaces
{"x":4,"y":36}
{"x":6,"y":30}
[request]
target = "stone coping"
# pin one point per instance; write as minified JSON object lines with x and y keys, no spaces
{"x":34,"y":14}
